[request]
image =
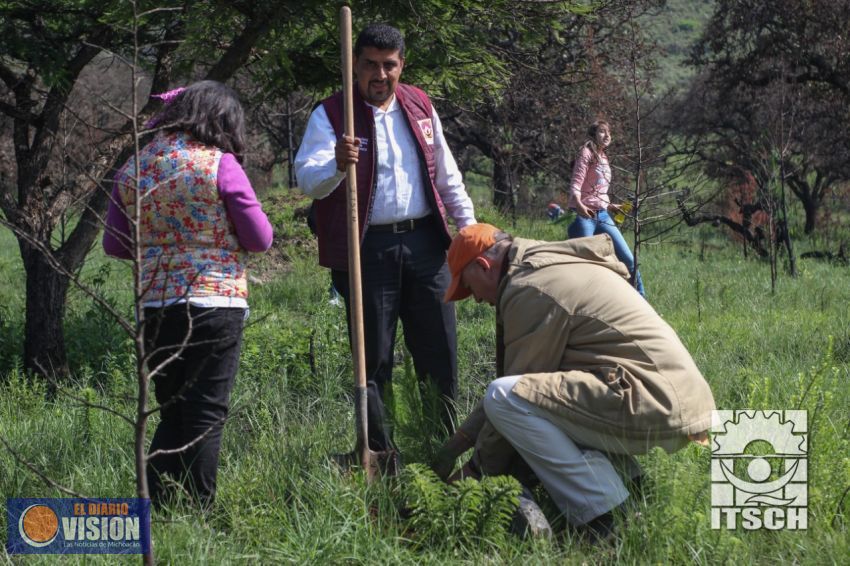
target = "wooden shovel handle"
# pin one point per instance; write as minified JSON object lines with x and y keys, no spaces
{"x":354,"y":281}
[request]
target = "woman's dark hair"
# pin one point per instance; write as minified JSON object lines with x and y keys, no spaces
{"x":210,"y":111}
{"x":379,"y":36}
{"x":591,"y":135}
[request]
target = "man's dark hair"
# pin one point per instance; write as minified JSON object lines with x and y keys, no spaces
{"x":380,"y":36}
{"x":210,"y":111}
{"x":497,"y":249}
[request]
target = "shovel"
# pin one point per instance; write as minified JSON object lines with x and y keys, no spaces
{"x":368,"y":458}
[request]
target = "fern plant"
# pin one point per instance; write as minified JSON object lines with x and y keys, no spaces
{"x":464,"y":513}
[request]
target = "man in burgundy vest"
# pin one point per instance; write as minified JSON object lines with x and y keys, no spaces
{"x":408,"y":185}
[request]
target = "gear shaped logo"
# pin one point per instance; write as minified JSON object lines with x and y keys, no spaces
{"x":759,"y":470}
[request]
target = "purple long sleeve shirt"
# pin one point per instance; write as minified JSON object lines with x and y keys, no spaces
{"x":253,"y":229}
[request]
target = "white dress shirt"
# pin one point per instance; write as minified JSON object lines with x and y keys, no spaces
{"x":399,"y":184}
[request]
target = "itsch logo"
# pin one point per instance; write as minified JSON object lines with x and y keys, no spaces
{"x":759,"y":470}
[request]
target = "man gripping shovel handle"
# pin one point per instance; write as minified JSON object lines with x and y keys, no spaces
{"x":368,"y":459}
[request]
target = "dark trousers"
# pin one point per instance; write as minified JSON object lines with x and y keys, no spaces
{"x":193,"y":392}
{"x":404,"y":276}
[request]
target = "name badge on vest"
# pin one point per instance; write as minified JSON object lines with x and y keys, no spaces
{"x":364,"y":144}
{"x":427,"y":130}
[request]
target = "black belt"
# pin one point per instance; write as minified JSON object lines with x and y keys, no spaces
{"x":402,"y":225}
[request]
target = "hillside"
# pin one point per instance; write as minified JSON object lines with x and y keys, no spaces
{"x":675,"y":27}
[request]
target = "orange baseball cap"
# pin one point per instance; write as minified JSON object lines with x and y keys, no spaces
{"x":469,"y":243}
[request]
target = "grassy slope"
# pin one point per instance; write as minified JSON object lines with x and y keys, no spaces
{"x":676,"y":26}
{"x":279,"y":500}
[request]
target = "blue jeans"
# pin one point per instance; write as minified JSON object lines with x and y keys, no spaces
{"x":602,"y":223}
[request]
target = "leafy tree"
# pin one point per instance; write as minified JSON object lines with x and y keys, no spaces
{"x":55,"y":72}
{"x":560,"y":79}
{"x":46,"y":46}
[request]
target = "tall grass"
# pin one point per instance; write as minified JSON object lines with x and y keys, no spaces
{"x":281,"y":500}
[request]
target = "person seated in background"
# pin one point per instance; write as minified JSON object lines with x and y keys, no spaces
{"x":588,"y":372}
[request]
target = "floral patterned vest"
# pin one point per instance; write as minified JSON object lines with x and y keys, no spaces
{"x":189,"y":245}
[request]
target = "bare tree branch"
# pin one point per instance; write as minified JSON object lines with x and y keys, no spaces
{"x":43,"y":477}
{"x":197,"y":439}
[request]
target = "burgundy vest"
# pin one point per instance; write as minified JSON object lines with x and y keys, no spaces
{"x":331,"y":211}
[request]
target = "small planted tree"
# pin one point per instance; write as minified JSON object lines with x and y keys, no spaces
{"x":651,"y":175}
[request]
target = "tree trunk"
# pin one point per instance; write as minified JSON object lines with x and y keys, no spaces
{"x":44,"y":336}
{"x":503,"y":186}
{"x":524,"y":198}
{"x":633,"y":281}
{"x":810,"y":206}
{"x":810,"y":194}
{"x":786,"y":229}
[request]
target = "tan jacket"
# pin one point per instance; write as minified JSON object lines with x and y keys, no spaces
{"x":593,"y":353}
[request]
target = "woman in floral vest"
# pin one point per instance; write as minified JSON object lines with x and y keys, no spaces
{"x":197,"y":218}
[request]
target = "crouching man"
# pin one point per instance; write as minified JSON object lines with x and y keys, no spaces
{"x":592,"y":374}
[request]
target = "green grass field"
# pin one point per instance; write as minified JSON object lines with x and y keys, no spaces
{"x":280,"y":500}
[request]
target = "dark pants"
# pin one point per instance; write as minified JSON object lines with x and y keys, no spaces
{"x":193,"y":392}
{"x":405,"y":276}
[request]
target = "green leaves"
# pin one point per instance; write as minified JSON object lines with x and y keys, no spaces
{"x":465,"y":513}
